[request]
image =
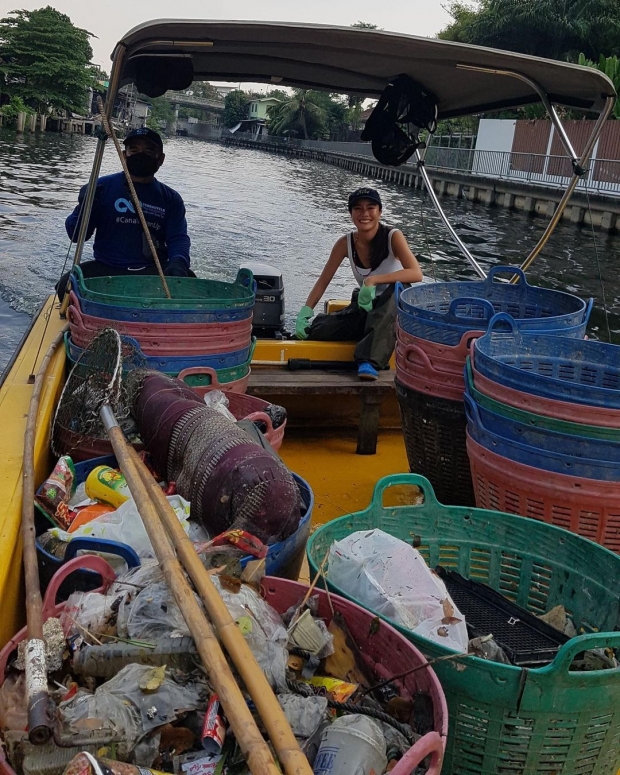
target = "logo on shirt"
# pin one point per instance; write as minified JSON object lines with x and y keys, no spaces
{"x":124,"y":206}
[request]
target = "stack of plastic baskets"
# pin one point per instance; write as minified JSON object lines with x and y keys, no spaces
{"x":544,"y":429}
{"x":437,"y":322}
{"x":203,"y":334}
{"x":504,"y":718}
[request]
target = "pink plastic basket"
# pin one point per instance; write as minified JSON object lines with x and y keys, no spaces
{"x":437,"y":351}
{"x":559,"y":410}
{"x":588,"y":507}
{"x":415,"y":371}
{"x":51,"y":608}
{"x":387,"y":653}
{"x":165,"y":338}
{"x":246,"y":407}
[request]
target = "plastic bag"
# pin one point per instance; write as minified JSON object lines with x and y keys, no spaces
{"x":263,"y":630}
{"x":91,"y":613}
{"x":55,"y":492}
{"x":125,"y":526}
{"x":247,"y":601}
{"x":217,"y":400}
{"x":13,"y":706}
{"x":154,"y":614}
{"x":390,"y":577}
{"x":131,"y":584}
{"x":304,"y":714}
{"x":122,"y":708}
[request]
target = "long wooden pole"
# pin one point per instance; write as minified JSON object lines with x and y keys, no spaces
{"x":286,"y":747}
{"x":109,"y":130}
{"x":39,"y":722}
{"x":255,"y":749}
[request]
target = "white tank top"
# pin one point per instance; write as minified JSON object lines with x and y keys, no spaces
{"x":389,"y":264}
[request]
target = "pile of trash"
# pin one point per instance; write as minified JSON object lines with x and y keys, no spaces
{"x":128,"y":686}
{"x":391,"y":577}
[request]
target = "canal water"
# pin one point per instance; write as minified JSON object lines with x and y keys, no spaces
{"x":246,"y":205}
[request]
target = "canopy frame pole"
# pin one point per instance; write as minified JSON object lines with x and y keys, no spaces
{"x":94,"y":173}
{"x":578,"y":162}
{"x":579,"y":170}
{"x":446,"y":221}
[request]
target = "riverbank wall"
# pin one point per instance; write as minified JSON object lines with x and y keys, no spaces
{"x":591,"y":209}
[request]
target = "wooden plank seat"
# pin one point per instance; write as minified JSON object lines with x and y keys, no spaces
{"x":270,"y":382}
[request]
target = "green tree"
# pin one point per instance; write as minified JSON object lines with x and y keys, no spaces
{"x":161,"y":112}
{"x":365,"y":26}
{"x":44,"y":59}
{"x":557,"y":29}
{"x":611,"y":67}
{"x":301,"y":115}
{"x":235,"y":108}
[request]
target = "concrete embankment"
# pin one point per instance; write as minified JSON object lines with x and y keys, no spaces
{"x":583,"y":209}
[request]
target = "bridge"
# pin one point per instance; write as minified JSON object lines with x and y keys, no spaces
{"x":182,"y":100}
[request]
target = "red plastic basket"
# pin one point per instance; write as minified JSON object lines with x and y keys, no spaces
{"x":437,"y":351}
{"x":165,"y":338}
{"x":588,"y":507}
{"x":559,"y":410}
{"x":415,"y":371}
{"x":387,"y":653}
{"x":246,"y":407}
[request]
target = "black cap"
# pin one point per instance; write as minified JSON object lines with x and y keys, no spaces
{"x":364,"y":193}
{"x":147,"y":134}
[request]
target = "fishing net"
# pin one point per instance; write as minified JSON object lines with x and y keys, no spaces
{"x":95,"y":379}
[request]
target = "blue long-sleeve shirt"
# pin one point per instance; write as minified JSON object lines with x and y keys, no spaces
{"x":119,"y":237}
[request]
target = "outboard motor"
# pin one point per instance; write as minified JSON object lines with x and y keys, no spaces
{"x":268,"y":322}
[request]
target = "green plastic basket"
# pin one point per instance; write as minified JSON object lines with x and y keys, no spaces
{"x":231,"y":374}
{"x":505,"y":719}
{"x":538,"y":420}
{"x":188,"y":293}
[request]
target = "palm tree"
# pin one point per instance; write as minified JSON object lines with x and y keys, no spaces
{"x":298,"y":111}
{"x":558,"y":29}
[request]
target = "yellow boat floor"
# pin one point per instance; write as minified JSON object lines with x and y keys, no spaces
{"x":342,"y":481}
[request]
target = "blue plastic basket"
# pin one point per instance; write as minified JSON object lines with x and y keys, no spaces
{"x":451,"y":331}
{"x":169,"y":364}
{"x":142,"y":315}
{"x":473,"y":303}
{"x":81,"y":580}
{"x":541,"y":438}
{"x":279,"y":557}
{"x":538,"y":457}
{"x":581,"y":371}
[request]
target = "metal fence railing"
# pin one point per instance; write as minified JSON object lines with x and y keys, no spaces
{"x":602,"y":176}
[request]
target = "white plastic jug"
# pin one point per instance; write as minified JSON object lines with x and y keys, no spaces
{"x":352,"y":745}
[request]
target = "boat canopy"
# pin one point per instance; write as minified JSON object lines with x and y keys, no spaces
{"x":169,"y":54}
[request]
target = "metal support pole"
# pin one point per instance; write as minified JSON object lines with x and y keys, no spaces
{"x":94,"y":173}
{"x":555,"y":219}
{"x":444,"y":217}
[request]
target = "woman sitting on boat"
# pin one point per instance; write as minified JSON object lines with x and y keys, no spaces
{"x":379,"y":257}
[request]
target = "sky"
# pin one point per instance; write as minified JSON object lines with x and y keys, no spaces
{"x":110,"y":19}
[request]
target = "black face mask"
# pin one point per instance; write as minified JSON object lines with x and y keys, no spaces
{"x":142,"y":165}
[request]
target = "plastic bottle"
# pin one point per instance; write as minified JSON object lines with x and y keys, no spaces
{"x":107,"y":660}
{"x":352,"y":744}
{"x":108,"y":485}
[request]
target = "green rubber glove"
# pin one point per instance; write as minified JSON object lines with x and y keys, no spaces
{"x":366,"y":297}
{"x":303,"y":322}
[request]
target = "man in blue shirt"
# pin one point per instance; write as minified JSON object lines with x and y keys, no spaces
{"x":120,"y":245}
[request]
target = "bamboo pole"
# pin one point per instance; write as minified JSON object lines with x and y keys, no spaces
{"x":109,"y":130}
{"x":269,"y":709}
{"x":39,"y":722}
{"x":255,"y":749}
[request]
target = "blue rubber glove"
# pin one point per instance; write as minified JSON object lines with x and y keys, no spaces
{"x":176,"y":268}
{"x":302,"y":323}
{"x":366,"y":297}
